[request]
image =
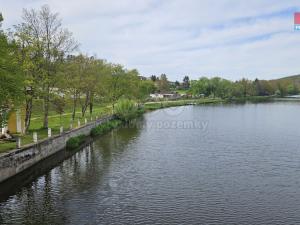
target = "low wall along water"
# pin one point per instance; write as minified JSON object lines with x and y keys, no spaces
{"x":18,"y":160}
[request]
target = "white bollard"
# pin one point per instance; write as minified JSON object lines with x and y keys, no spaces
{"x":78,"y":123}
{"x":85,"y":120}
{"x":91,"y":118}
{"x":35,"y":137}
{"x":71,"y":126}
{"x":61,"y":129}
{"x":49,"y":132}
{"x":18,"y":142}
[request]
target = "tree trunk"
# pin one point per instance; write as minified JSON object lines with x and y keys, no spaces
{"x":46,"y":111}
{"x":91,"y":103}
{"x":85,"y":104}
{"x":74,"y":106}
{"x":28,"y":112}
{"x":91,"y":108}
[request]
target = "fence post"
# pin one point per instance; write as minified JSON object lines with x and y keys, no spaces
{"x":85,"y":120}
{"x":71,"y":126}
{"x":18,"y":142}
{"x":35,"y":137}
{"x":49,"y":132}
{"x":78,"y":123}
{"x":61,"y":129}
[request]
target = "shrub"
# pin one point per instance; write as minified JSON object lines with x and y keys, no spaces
{"x":126,"y":109}
{"x":75,"y":142}
{"x":105,"y":127}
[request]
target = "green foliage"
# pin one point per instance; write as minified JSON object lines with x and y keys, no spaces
{"x":126,"y":109}
{"x":253,"y":99}
{"x":186,"y":82}
{"x":11,"y":81}
{"x":75,"y":142}
{"x":292,"y":89}
{"x":105,"y":127}
{"x":163,"y":83}
{"x":143,"y":89}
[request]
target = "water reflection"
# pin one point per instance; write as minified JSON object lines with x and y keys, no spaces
{"x":243,"y":169}
{"x":44,"y":199}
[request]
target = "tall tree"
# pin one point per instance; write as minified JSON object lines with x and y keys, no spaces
{"x":163,"y":83}
{"x":51,"y":43}
{"x":154,"y":78}
{"x":186,"y":82}
{"x":10,"y":77}
{"x":114,"y":84}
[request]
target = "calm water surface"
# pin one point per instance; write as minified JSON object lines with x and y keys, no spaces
{"x":235,"y":164}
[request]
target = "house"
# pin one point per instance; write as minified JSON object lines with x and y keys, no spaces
{"x":156,"y":96}
{"x":168,"y":96}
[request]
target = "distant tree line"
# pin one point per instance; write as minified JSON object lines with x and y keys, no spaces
{"x":218,"y":87}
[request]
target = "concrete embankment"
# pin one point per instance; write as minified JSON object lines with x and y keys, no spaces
{"x":18,"y":160}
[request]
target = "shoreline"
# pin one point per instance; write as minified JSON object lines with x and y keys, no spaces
{"x":16,"y":161}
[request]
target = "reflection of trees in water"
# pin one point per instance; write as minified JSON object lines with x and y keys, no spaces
{"x":46,"y":199}
{"x":36,"y":204}
{"x":117,"y":140}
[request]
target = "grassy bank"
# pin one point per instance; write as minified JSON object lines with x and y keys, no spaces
{"x":253,"y":99}
{"x":166,"y":104}
{"x":55,"y":122}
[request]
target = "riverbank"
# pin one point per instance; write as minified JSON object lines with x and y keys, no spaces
{"x":18,"y":160}
{"x":56,"y":121}
{"x":239,"y":154}
{"x":166,"y":104}
{"x":15,"y":161}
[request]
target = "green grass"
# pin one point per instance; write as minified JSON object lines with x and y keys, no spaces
{"x":182,"y":91}
{"x":100,"y":110}
{"x":253,"y":99}
{"x":55,"y":122}
{"x":105,"y":127}
{"x":165,"y":104}
{"x":75,"y":142}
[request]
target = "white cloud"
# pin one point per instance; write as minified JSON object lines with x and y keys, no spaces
{"x":177,"y":37}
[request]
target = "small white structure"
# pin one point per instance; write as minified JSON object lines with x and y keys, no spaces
{"x":165,"y":95}
{"x":156,"y":95}
{"x":49,"y":132}
{"x":35,"y":137}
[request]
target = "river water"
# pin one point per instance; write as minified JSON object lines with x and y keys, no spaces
{"x":215,"y":164}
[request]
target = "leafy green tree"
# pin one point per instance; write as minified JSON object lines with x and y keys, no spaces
{"x":201,"y":86}
{"x":114,"y":84}
{"x":49,"y":42}
{"x":11,"y":81}
{"x":186,"y":82}
{"x":59,"y":104}
{"x":144,"y":89}
{"x":245,"y":87}
{"x":177,"y":84}
{"x":154,"y":78}
{"x":292,"y":89}
{"x":163,"y":83}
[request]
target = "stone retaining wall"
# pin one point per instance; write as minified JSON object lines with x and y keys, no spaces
{"x":18,"y":160}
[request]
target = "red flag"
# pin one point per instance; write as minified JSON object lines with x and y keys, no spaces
{"x":297,"y":18}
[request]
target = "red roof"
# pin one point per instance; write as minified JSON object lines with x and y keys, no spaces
{"x":297,"y":18}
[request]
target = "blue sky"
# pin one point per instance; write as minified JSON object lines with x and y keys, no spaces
{"x":228,"y":38}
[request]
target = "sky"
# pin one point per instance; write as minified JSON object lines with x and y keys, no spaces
{"x":227,"y":38}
